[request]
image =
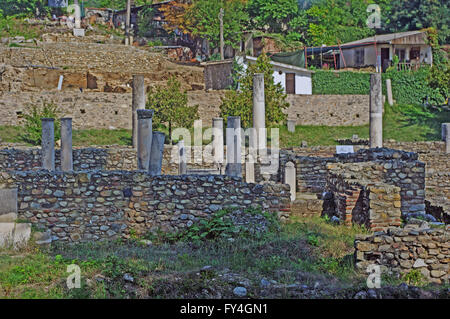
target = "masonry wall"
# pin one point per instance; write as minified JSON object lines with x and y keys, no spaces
{"x":91,"y":109}
{"x":91,"y":205}
{"x":404,"y":250}
{"x":398,"y":168}
{"x":359,"y":198}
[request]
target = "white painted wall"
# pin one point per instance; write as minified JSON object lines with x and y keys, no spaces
{"x":303,"y":80}
{"x":303,"y":84}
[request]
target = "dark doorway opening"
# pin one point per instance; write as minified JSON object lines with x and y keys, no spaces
{"x":290,"y":83}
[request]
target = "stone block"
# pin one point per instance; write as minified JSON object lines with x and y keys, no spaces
{"x":78,"y":32}
{"x":8,"y":201}
{"x":6,"y":234}
{"x":22,"y":234}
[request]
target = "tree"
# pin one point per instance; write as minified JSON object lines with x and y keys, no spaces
{"x":418,"y":14}
{"x":333,"y":20}
{"x":200,"y":18}
{"x":23,"y":8}
{"x":240,"y":103}
{"x":170,"y":106}
{"x":145,"y":21}
{"x":273,"y":15}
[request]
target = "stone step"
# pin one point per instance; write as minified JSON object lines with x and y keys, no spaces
{"x":306,"y":205}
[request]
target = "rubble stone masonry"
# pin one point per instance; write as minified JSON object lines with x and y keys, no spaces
{"x":93,"y":205}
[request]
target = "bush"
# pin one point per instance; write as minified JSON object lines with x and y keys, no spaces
{"x":240,"y":103}
{"x":412,"y":87}
{"x":33,"y":124}
{"x":170,"y":106}
{"x":408,"y":87}
{"x":12,"y":27}
{"x":329,"y":82}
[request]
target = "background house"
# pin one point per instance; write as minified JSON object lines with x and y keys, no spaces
{"x":411,"y":47}
{"x":293,"y":79}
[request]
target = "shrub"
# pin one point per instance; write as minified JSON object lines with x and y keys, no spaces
{"x":170,"y":106}
{"x":329,"y":82}
{"x":33,"y":124}
{"x":240,"y":103}
{"x":412,"y":87}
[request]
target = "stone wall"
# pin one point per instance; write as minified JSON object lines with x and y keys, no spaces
{"x":403,"y":250}
{"x":106,"y":158}
{"x":330,"y":110}
{"x":94,"y":109}
{"x":437,"y":174}
{"x":397,"y":168}
{"x":363,"y":200}
{"x":91,"y":205}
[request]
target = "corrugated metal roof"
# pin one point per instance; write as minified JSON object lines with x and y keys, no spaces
{"x":282,"y":65}
{"x":385,"y":38}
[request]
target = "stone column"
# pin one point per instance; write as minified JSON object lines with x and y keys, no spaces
{"x":291,"y":126}
{"x":182,"y":166}
{"x":66,"y":144}
{"x":376,"y":111}
{"x":218,"y":141}
{"x":259,"y":110}
{"x":144,"y":138}
{"x":48,"y":144}
{"x":137,"y":103}
{"x":77,"y":14}
{"x":290,"y":179}
{"x":234,"y":167}
{"x":156,"y":154}
{"x":446,"y":136}
{"x":389,"y":92}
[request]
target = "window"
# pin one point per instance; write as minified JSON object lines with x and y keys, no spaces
{"x":401,"y":55}
{"x":415,"y":53}
{"x":359,"y":57}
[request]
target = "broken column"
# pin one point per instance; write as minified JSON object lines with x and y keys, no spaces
{"x":291,"y":126}
{"x":48,"y":144}
{"x":137,"y":103}
{"x":218,"y":141}
{"x":182,"y":166}
{"x":78,"y":31}
{"x":259,"y":111}
{"x":446,"y":136}
{"x":376,"y":111}
{"x":156,"y":154}
{"x":290,"y":178}
{"x":66,"y":144}
{"x":233,"y":135}
{"x":144,"y":138}
{"x":389,"y":92}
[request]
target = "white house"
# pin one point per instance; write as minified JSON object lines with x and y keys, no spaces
{"x":293,"y":79}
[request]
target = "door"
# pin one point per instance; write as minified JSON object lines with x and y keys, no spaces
{"x":384,"y":58}
{"x":290,"y":83}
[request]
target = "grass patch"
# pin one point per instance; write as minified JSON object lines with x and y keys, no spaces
{"x":405,"y":123}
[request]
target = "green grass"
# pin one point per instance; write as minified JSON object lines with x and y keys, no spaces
{"x":403,"y":123}
{"x":41,"y":274}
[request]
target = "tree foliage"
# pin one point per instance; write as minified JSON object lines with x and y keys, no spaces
{"x":23,"y":8}
{"x":240,"y":103}
{"x":33,"y":125}
{"x":170,"y":104}
{"x":330,"y":21}
{"x":200,"y":18}
{"x":400,"y":15}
